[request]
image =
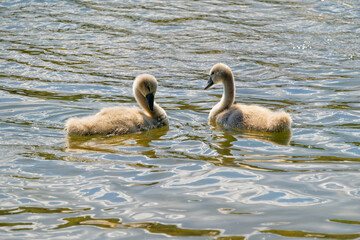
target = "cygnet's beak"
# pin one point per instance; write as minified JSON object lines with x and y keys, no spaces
{"x":150,"y":101}
{"x":209,"y":83}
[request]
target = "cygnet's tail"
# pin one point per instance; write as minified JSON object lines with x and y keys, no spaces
{"x":279,"y":121}
{"x":76,"y":126}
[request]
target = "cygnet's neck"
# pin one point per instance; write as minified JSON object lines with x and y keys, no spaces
{"x":229,"y":92}
{"x":227,"y":98}
{"x":158,"y":113}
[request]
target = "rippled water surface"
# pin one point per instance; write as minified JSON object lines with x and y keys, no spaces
{"x":61,"y":58}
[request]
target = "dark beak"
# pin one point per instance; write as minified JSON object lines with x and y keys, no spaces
{"x":150,"y":101}
{"x":209,"y":83}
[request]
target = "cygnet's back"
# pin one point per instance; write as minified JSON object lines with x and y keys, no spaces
{"x":121,"y":120}
{"x":252,"y":117}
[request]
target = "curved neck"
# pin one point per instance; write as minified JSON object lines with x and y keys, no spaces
{"x":229,"y":92}
{"x":227,"y":98}
{"x":156,"y":113}
{"x":142,"y":102}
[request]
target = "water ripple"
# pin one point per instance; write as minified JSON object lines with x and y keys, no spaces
{"x":62,"y":59}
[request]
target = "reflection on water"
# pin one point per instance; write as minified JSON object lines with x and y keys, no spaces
{"x":301,"y":234}
{"x":170,"y":230}
{"x":62,"y":59}
{"x":140,"y":142}
{"x":20,"y":210}
{"x":281,"y":138}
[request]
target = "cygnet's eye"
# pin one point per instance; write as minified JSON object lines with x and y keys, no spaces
{"x":147,"y":87}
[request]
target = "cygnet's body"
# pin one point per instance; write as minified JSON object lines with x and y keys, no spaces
{"x":251,"y":117}
{"x":121,"y":120}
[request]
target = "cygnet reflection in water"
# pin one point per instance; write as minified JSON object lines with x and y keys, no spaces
{"x":115,"y":144}
{"x":279,"y":138}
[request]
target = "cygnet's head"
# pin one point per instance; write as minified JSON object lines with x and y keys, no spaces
{"x":146,"y":85}
{"x":218,"y":73}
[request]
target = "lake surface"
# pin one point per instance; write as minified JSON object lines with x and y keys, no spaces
{"x":192,"y":180}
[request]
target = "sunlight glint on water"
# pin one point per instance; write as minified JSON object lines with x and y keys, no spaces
{"x":60,"y":59}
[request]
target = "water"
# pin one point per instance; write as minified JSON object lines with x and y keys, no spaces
{"x":191,"y":180}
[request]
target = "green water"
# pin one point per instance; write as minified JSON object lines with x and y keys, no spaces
{"x":192,"y":180}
